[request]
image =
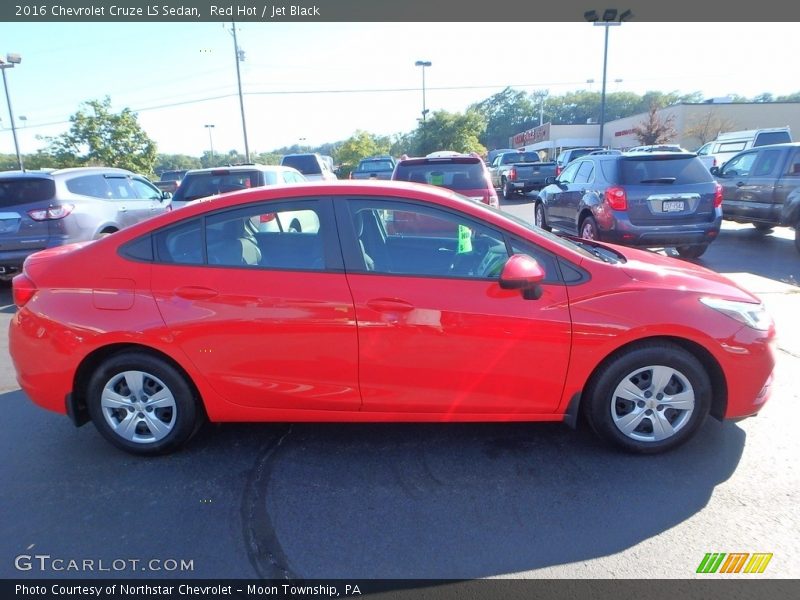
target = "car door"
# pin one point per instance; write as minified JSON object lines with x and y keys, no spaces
{"x":437,"y":335}
{"x":151,"y":197}
{"x":130,"y":208}
{"x":265,"y":316}
{"x":759,"y":201}
{"x":572,"y":199}
{"x":733,"y":177}
{"x":556,"y":204}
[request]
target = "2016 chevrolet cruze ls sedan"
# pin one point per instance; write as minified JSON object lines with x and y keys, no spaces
{"x":203,"y":314}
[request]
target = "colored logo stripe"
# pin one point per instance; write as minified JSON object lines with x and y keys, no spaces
{"x":758,"y":563}
{"x":713,"y":562}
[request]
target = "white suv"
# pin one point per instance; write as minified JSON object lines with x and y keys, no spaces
{"x":312,"y":165}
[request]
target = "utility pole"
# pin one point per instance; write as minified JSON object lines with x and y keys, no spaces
{"x":239,"y":55}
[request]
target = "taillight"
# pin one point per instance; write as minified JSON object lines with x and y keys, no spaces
{"x":512,"y":174}
{"x":23,"y":290}
{"x":616,"y":198}
{"x":717,"y":195}
{"x":493,"y":201}
{"x":52,"y":213}
{"x":266,"y":218}
{"x":558,"y":170}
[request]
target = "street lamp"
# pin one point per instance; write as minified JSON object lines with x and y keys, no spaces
{"x":8,"y":63}
{"x":610,"y":18}
{"x":423,"y":64}
{"x":210,"y":140}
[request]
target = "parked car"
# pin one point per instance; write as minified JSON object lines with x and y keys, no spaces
{"x":658,"y":148}
{"x":646,"y":199}
{"x":496,"y":321}
{"x":567,"y":156}
{"x":462,"y":173}
{"x":170,"y":180}
{"x":730,"y":143}
{"x":201,"y":183}
{"x":762,"y":187}
{"x":42,"y":209}
{"x":376,"y":167}
{"x":519,"y":172}
{"x":313,"y":166}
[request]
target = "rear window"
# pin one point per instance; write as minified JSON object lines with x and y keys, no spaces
{"x":452,"y":175}
{"x":25,"y":190}
{"x":201,"y":185}
{"x":510,"y":159}
{"x":772,"y":137}
{"x":370,"y":166}
{"x":172,"y":175}
{"x":678,"y":170}
{"x":578,"y":153}
{"x":307,"y":164}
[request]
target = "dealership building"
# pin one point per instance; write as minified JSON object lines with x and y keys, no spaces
{"x":549,"y":139}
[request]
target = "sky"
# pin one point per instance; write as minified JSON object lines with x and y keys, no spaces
{"x":312,"y":83}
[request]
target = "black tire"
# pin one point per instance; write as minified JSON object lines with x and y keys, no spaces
{"x":648,"y":419}
{"x":508,"y":189}
{"x":797,"y":236}
{"x":763,"y":227}
{"x":134,"y":426}
{"x":691,"y":251}
{"x":540,"y":217}
{"x":295,"y":227}
{"x":588,"y":229}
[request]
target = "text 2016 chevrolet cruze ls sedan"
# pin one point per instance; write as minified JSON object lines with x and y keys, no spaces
{"x":201,"y":313}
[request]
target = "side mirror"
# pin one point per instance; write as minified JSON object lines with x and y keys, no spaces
{"x":521,"y":272}
{"x":166,"y":196}
{"x":715,"y":171}
{"x":550,"y":180}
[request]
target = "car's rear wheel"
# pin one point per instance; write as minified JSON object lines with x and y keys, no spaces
{"x":691,"y":251}
{"x":650,"y":398}
{"x":142,"y":404}
{"x":508,"y":189}
{"x":539,"y":218}
{"x":797,"y":236}
{"x":588,"y":229}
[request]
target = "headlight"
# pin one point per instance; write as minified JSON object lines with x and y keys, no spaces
{"x":752,"y":315}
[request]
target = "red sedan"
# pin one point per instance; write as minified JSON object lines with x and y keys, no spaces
{"x":201,"y":314}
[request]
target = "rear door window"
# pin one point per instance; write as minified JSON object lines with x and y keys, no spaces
{"x":678,"y":170}
{"x":766,"y":163}
{"x":25,"y":190}
{"x":94,"y":186}
{"x":767,"y":138}
{"x":307,"y":164}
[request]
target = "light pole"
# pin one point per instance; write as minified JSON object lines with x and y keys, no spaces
{"x":210,"y":141}
{"x":240,"y":58}
{"x":8,"y":63}
{"x":423,"y":64}
{"x":610,"y":19}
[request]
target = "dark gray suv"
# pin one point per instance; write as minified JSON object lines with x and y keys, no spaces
{"x":648,"y":199}
{"x":42,"y":209}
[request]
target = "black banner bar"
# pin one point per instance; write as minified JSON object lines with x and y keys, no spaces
{"x":520,"y":11}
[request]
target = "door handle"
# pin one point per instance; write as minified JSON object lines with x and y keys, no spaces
{"x":389,"y":305}
{"x":194,"y":292}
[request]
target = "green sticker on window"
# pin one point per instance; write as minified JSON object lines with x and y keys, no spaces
{"x":464,"y":239}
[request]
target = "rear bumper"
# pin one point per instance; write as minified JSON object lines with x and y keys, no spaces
{"x":619,"y":230}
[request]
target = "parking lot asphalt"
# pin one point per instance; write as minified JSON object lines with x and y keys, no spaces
{"x":418,"y":501}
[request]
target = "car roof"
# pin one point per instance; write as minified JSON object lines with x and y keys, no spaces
{"x":92,"y":170}
{"x":244,"y":167}
{"x":433,"y":160}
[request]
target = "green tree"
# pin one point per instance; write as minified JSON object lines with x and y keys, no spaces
{"x":506,"y":113}
{"x":175,"y":162}
{"x":101,"y":137}
{"x":451,"y":131}
{"x":361,"y":145}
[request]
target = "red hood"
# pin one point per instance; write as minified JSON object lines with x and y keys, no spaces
{"x":673,"y":273}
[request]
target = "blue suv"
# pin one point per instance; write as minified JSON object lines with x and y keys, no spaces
{"x":646,"y":199}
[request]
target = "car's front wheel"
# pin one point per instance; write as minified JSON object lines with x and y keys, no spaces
{"x":142,"y":404}
{"x":588,"y":229}
{"x":539,"y":218}
{"x":649,"y":398}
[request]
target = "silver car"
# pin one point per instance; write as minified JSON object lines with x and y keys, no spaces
{"x":42,"y":209}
